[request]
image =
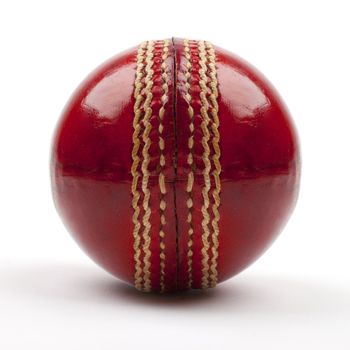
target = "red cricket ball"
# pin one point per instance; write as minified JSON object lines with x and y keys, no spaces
{"x":175,"y":165}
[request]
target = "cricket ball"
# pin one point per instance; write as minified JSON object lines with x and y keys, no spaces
{"x":175,"y":165}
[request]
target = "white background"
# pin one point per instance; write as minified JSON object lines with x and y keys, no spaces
{"x":297,"y":296}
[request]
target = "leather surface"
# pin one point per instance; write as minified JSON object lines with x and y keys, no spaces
{"x":91,"y":162}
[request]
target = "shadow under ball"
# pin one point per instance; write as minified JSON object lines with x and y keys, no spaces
{"x":175,"y":165}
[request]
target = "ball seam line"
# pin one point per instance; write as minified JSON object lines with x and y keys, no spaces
{"x":138,"y":87}
{"x":190,"y":177}
{"x":207,"y":163}
{"x":161,"y":177}
{"x":213,"y":96}
{"x":144,"y":167}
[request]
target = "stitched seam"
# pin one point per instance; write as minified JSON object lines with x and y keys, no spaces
{"x":190,"y":177}
{"x":136,"y":160}
{"x":206,"y":160}
{"x":144,"y":167}
{"x":175,"y":160}
{"x":216,"y":160}
{"x":161,"y":178}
